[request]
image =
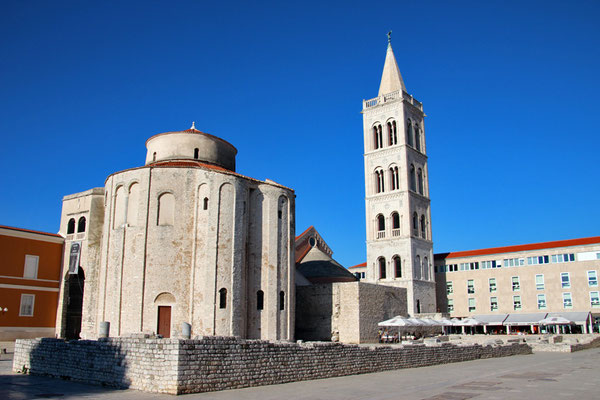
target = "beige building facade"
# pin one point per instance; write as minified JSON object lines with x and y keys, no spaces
{"x":398,"y":215}
{"x":183,"y":239}
{"x":550,"y":277}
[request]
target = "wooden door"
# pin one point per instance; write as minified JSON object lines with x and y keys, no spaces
{"x":164,"y":321}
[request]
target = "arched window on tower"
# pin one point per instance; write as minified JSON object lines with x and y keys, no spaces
{"x":417,"y":137}
{"x":413,"y":183}
{"x":379,"y":181}
{"x":397,"y":266}
{"x":377,"y":136}
{"x":423,"y":230}
{"x":223,"y":298}
{"x":392,"y":136}
{"x":417,"y":268}
{"x":381,"y":262}
{"x":205,"y":205}
{"x":154,"y":156}
{"x":420,"y":180}
{"x":425,"y":269}
{"x":394,"y":180}
{"x":409,"y":133}
{"x":395,"y":224}
{"x":415,"y":224}
{"x":380,"y":226}
{"x":81,"y":225}
{"x":394,"y":132}
{"x":71,"y":226}
{"x":281,"y":300}
{"x":196,"y":153}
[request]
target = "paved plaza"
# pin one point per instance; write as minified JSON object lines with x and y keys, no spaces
{"x":542,"y":375}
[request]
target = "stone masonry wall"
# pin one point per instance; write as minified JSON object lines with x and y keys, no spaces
{"x":216,"y":363}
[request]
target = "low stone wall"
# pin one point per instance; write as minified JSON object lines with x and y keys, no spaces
{"x":215,"y":363}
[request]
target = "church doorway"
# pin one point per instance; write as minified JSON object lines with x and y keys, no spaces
{"x":164,"y":321}
{"x":74,"y":299}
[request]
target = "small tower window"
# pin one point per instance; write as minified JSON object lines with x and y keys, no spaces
{"x":379,"y":181}
{"x":413,"y":183}
{"x":395,"y":220}
{"x":415,"y":224}
{"x":423,"y":230}
{"x":420,"y":180}
{"x":154,"y":156}
{"x":196,"y":153}
{"x":205,"y":206}
{"x":397,"y":267}
{"x":417,"y":137}
{"x":409,"y":134}
{"x":71,"y":226}
{"x":81,"y":225}
{"x":380,"y":223}
{"x":281,"y":301}
{"x":260,"y":300}
{"x":223,"y":298}
{"x":377,"y":137}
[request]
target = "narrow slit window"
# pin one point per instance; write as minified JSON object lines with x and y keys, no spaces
{"x":260,"y":300}
{"x":281,"y":301}
{"x":223,"y":298}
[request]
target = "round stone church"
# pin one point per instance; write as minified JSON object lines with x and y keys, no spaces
{"x":182,"y":239}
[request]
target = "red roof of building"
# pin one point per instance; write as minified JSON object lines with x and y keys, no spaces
{"x":30,"y":231}
{"x":307,"y":229}
{"x":521,"y":247}
{"x":358,"y":265}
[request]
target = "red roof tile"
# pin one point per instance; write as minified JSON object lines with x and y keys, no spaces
{"x":30,"y":231}
{"x":358,"y":265}
{"x":521,"y":247}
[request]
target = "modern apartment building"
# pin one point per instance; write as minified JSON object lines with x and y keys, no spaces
{"x":558,"y":276}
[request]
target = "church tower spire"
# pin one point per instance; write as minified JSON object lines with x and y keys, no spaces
{"x":397,"y":205}
{"x":391,"y":79}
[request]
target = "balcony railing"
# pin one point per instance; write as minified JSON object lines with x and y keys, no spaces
{"x":380,"y":234}
{"x":396,"y":232}
{"x":392,"y":96}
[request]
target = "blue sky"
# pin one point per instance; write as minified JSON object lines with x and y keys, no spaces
{"x":510,"y":90}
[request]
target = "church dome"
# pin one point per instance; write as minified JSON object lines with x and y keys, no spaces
{"x":190,"y":144}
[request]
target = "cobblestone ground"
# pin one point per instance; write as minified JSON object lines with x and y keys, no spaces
{"x":543,"y":375}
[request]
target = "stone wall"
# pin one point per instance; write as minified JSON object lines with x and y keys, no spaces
{"x":217,"y":363}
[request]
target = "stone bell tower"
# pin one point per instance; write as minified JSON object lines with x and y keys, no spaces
{"x":399,"y":245}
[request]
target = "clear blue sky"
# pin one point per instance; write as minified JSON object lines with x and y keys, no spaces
{"x":511,"y":91}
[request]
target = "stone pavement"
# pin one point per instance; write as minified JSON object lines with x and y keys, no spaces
{"x":542,"y":375}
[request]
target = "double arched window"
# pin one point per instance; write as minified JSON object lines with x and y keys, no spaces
{"x":415,"y":224}
{"x":425,"y":269}
{"x":381,"y":262}
{"x":412,"y":179}
{"x":417,"y":137}
{"x":71,"y":226}
{"x":392,"y":134}
{"x":423,"y":227}
{"x":81,"y":225}
{"x":417,"y":268}
{"x":409,"y":134}
{"x":380,"y":226}
{"x":395,"y":220}
{"x":394,"y":179}
{"x":420,"y":181}
{"x":379,"y":181}
{"x":377,"y":136}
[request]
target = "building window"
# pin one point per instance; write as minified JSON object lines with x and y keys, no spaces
{"x":594,"y":299}
{"x":381,"y":262}
{"x":154,"y":156}
{"x":493,"y":303}
{"x":394,"y":180}
{"x":397,"y":267}
{"x":539,"y":282}
{"x":412,"y":178}
{"x":560,"y":258}
{"x":538,"y":260}
{"x":450,"y":305}
{"x":470,"y":286}
{"x":471,"y":304}
{"x":196,"y":153}
{"x":420,"y":181}
{"x":541,"y":298}
{"x":27,"y":302}
{"x":166,"y":209}
{"x":378,"y":137}
{"x":516,"y":302}
{"x":449,"y":287}
{"x":415,"y":224}
{"x":380,"y":226}
{"x":81,"y":225}
{"x":281,"y":301}
{"x":205,"y":205}
{"x":492,"y":282}
{"x":260,"y":300}
{"x":71,"y":226}
{"x":516,"y":285}
{"x":409,"y":133}
{"x":592,"y":278}
{"x":417,"y":137}
{"x":423,"y":229}
{"x":392,"y":136}
{"x":565,"y":280}
{"x":395,"y":224}
{"x":567,"y":300}
{"x":379,"y":181}
{"x":30,"y":270}
{"x":514,"y":262}
{"x":223,"y":298}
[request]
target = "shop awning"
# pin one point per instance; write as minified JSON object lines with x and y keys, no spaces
{"x":579,"y":317}
{"x":491,"y":319}
{"x":524,"y":319}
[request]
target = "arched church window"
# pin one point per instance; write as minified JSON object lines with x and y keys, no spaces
{"x":379,"y":181}
{"x":223,"y":298}
{"x":81,"y":225}
{"x":381,"y":262}
{"x":418,"y":267}
{"x":423,"y":235}
{"x":205,"y":205}
{"x":71,"y":226}
{"x":260,"y":300}
{"x":394,"y":132}
{"x":417,"y":137}
{"x":413,"y":184}
{"x":425,"y":269}
{"x":196,"y":153}
{"x":420,"y":180}
{"x":409,"y":134}
{"x":377,"y":136}
{"x":281,"y":300}
{"x":415,"y":224}
{"x":154,"y":156}
{"x":380,"y":223}
{"x":395,"y":220}
{"x":166,"y":209}
{"x":397,"y":266}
